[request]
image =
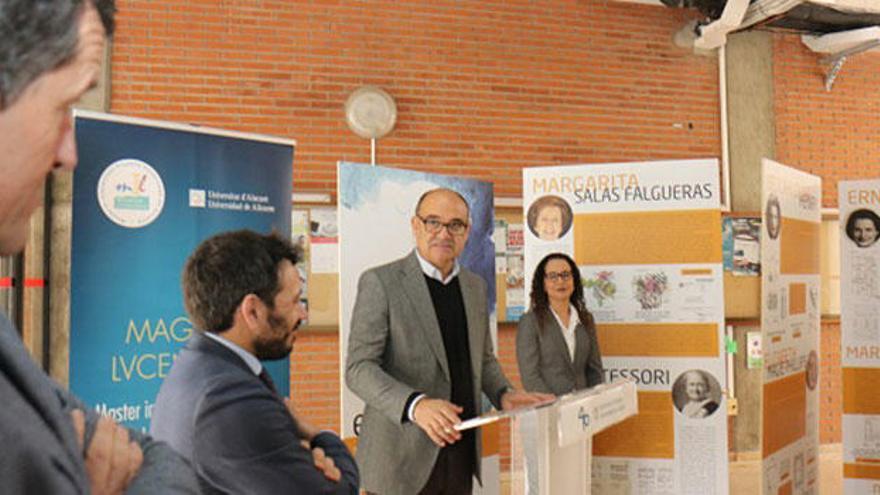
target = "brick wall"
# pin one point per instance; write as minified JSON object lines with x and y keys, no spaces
{"x":314,"y":373}
{"x":483,"y":88}
{"x":836,"y":134}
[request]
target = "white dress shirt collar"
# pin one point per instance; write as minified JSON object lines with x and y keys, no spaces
{"x":434,"y":272}
{"x":568,"y":330}
{"x":249,"y":359}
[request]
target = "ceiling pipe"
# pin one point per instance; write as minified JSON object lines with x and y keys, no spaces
{"x":725,"y":130}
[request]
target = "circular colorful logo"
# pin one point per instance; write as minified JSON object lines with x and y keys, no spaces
{"x":131,"y":193}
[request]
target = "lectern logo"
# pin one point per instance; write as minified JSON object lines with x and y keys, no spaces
{"x":584,"y":417}
{"x":131,"y":193}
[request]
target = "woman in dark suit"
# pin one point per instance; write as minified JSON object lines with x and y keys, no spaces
{"x":556,"y":345}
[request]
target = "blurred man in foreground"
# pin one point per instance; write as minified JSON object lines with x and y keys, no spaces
{"x":50,"y":54}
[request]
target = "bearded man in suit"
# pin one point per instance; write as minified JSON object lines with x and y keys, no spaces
{"x":218,"y":406}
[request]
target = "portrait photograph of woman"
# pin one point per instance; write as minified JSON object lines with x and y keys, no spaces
{"x":549,"y":218}
{"x":863,"y":227}
{"x":696,"y":394}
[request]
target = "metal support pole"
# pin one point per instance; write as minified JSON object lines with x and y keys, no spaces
{"x":838,"y":59}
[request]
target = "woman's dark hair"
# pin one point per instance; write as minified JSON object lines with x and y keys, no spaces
{"x":540,"y":303}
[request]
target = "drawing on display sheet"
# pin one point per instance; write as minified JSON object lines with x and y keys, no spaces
{"x":602,"y":286}
{"x":649,"y":289}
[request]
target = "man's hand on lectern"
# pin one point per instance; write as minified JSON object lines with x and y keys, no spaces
{"x":438,"y":418}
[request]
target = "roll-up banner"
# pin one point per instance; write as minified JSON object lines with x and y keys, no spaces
{"x":647,"y":239}
{"x":859,"y":205}
{"x":790,"y":312}
{"x":376,"y":205}
{"x":145,"y":194}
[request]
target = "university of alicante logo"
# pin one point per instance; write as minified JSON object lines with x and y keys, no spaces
{"x":131,"y":193}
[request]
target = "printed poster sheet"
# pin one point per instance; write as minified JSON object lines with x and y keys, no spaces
{"x":299,"y":236}
{"x":515,"y":278}
{"x":324,"y":240}
{"x":145,"y":194}
{"x":741,"y":245}
{"x":647,"y":240}
{"x":790,"y":315}
{"x":859,"y":205}
{"x":376,"y":205}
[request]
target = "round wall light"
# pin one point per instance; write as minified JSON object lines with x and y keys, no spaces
{"x":370,"y":112}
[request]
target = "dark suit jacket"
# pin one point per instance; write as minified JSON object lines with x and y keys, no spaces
{"x":237,"y":432}
{"x":545,"y":364}
{"x":395,"y":349}
{"x":40,"y":453}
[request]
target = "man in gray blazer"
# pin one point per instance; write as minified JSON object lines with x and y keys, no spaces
{"x":50,"y":54}
{"x":217,"y":406}
{"x":419,"y":355}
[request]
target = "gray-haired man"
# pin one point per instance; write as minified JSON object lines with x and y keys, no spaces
{"x":50,"y":54}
